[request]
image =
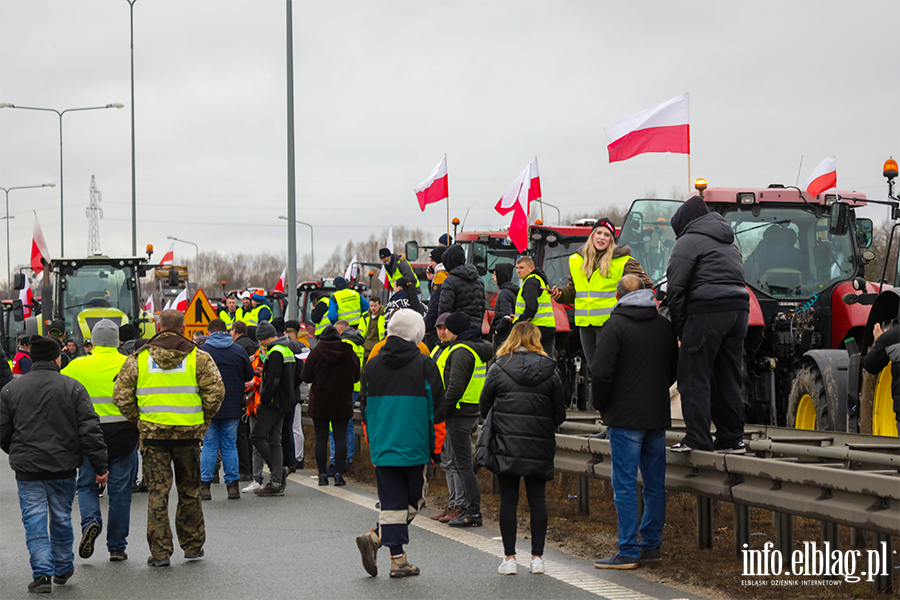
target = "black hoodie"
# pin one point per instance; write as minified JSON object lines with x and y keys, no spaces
{"x":505,"y":304}
{"x":458,"y":372}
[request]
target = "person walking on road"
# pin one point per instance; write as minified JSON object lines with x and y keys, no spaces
{"x":97,"y":373}
{"x":463,"y":289}
{"x":172,"y":390}
{"x":523,"y":394}
{"x":634,"y":366}
{"x":709,"y":307}
{"x":401,"y":407}
{"x":221,"y":437}
{"x":533,"y":302}
{"x":47,"y":427}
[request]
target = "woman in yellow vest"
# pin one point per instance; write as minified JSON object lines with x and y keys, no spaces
{"x":594,"y":272}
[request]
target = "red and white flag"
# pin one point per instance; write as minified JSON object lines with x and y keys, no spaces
{"x":517,"y":200}
{"x":148,"y":305}
{"x":382,"y":276}
{"x":279,"y":285}
{"x":181,"y":301}
{"x":26,"y":297}
{"x":169,"y":257}
{"x":663,"y":128}
{"x":434,"y":189}
{"x":823,"y":177}
{"x":38,"y":248}
{"x":352,"y":269}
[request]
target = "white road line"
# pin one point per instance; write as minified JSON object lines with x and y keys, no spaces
{"x":494,"y":547}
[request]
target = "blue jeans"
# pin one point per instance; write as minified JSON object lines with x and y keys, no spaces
{"x":220,"y":437}
{"x":351,"y":443}
{"x":118,"y":490}
{"x":53,"y":554}
{"x":647,"y":448}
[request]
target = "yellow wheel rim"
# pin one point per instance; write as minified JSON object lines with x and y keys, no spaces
{"x":806,"y":413}
{"x":884,"y":420}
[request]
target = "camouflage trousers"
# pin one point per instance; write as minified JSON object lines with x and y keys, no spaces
{"x":158,"y":463}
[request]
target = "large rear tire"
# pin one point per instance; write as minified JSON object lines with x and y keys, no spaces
{"x":808,"y":404}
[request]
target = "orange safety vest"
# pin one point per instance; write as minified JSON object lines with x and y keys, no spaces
{"x":253,"y":399}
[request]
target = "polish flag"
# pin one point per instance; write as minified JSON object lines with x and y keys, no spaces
{"x":434,"y":189}
{"x":279,"y":285}
{"x":148,"y":305}
{"x":38,"y":248}
{"x":390,"y":246}
{"x":168,"y":305}
{"x":663,"y":128}
{"x":169,"y":257}
{"x":26,"y":297}
{"x":823,"y":177}
{"x":352,"y":268}
{"x":181,"y":301}
{"x":517,"y":200}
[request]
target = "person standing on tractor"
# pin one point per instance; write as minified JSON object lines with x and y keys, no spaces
{"x":348,"y":304}
{"x":533,"y":302}
{"x":594,"y":271}
{"x":886,"y":351}
{"x":230,"y":314}
{"x":396,"y":267}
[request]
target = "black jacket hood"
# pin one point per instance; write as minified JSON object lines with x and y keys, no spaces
{"x":397,"y":352}
{"x":466,"y":272}
{"x":454,"y":256}
{"x":527,"y":368}
{"x":504,"y":272}
{"x":711,"y":225}
{"x":333,"y":351}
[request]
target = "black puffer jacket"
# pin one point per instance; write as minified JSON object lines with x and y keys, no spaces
{"x":705,"y":273}
{"x":526,"y":395}
{"x":505,"y":305}
{"x":886,"y":350}
{"x":463,"y":290}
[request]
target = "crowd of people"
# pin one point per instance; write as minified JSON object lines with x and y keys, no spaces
{"x":424,"y":377}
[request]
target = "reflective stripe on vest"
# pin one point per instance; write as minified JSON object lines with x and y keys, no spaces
{"x":284,"y":351}
{"x":349,"y":306}
{"x":595,"y":298}
{"x":366,"y":322}
{"x":472,"y":394}
{"x":321,"y":325}
{"x":544,"y":315}
{"x":248,"y":316}
{"x":229,"y":320}
{"x":97,"y":373}
{"x":358,"y":349}
{"x":393,"y":277}
{"x":169,"y":396}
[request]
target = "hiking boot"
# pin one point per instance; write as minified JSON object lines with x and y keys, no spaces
{"x":737,"y":448}
{"x":509,"y":566}
{"x":62,"y":579}
{"x":437,"y":516}
{"x":339,"y":480}
{"x":255,"y":485}
{"x":400,"y":567}
{"x":88,"y":536}
{"x":452,"y":513}
{"x":617,"y":561}
{"x":652,"y":554}
{"x":194,"y":555}
{"x":205,"y":493}
{"x":323,"y":479}
{"x":680,"y":447}
{"x":41,"y":585}
{"x":234,"y":491}
{"x":466,"y":519}
{"x":270,"y":490}
{"x":368,"y":545}
{"x":117,"y":556}
{"x":159,"y":562}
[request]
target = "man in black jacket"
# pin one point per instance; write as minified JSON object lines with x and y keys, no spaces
{"x":463,"y":289}
{"x":709,"y":306}
{"x":885,"y":351}
{"x":505,"y":303}
{"x":47,"y":426}
{"x":634,"y":365}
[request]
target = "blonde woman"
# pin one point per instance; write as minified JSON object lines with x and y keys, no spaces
{"x":525,"y":394}
{"x":594,"y":272}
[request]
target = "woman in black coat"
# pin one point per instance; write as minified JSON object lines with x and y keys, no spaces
{"x":525,"y":394}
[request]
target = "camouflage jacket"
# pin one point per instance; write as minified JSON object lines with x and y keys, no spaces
{"x":168,"y":349}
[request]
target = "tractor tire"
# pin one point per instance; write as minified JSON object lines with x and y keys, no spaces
{"x":808,"y":404}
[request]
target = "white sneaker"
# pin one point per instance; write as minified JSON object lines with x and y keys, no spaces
{"x":537,"y":565}
{"x":254,"y":485}
{"x":508,"y":567}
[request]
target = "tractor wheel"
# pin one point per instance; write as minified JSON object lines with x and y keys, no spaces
{"x":808,"y":405}
{"x":884,"y":419}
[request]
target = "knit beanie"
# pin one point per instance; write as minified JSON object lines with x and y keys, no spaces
{"x":605,"y":222}
{"x":691,"y":210}
{"x":45,"y":349}
{"x":265,"y":330}
{"x":126,"y":333}
{"x":437,"y":255}
{"x":384,"y":253}
{"x":445,"y":239}
{"x":407,"y":324}
{"x":279,"y":325}
{"x":105,"y":333}
{"x":340,"y":283}
{"x":458,"y":322}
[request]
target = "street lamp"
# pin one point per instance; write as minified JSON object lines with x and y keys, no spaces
{"x":196,"y":247}
{"x":62,"y":238}
{"x":7,"y":217}
{"x":312,"y":252}
{"x":133,"y":191}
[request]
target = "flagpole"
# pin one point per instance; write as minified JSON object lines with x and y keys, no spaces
{"x":448,"y":205}
{"x":689,"y":173}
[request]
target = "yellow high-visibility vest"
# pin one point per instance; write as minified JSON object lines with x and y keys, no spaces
{"x":358,"y":349}
{"x":595,"y":298}
{"x":393,"y":277}
{"x":544,"y":315}
{"x":321,"y":325}
{"x":229,"y":320}
{"x":366,"y":321}
{"x":97,"y":373}
{"x":248,"y":316}
{"x":473,"y":391}
{"x":169,"y":396}
{"x":349,"y":306}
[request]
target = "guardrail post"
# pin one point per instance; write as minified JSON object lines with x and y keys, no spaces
{"x":857,"y":537}
{"x":784,"y":532}
{"x":741,"y":529}
{"x":831,"y":533}
{"x":883,"y":583}
{"x":584,"y":495}
{"x":704,"y":522}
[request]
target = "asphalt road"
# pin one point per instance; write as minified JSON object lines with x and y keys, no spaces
{"x":302,"y":545}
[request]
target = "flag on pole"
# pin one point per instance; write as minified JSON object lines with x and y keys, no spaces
{"x":823,"y":177}
{"x":181,"y":301}
{"x":517,"y":200}
{"x":148,"y":305}
{"x":38,"y":248}
{"x":352,"y":269}
{"x":26,"y":297}
{"x":279,"y":285}
{"x":169,"y":257}
{"x":382,"y":276}
{"x":168,"y":305}
{"x":663,"y":128}
{"x":434,"y":189}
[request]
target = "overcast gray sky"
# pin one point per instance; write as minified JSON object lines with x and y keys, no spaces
{"x":384,"y":89}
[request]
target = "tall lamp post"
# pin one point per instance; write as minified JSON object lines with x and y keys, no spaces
{"x":133,"y":189}
{"x":60,"y":113}
{"x":196,"y":247}
{"x":7,"y":217}
{"x":312,"y":246}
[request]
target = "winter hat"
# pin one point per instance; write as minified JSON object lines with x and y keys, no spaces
{"x":445,"y":239}
{"x":244,"y":295}
{"x":458,"y":322}
{"x":454,"y":256}
{"x":437,"y":254}
{"x":257,"y":298}
{"x":693,"y":209}
{"x":604,"y":222}
{"x":340,"y":283}
{"x":442,"y":320}
{"x":126,"y":333}
{"x":407,"y":324}
{"x":278,"y":324}
{"x":265,"y":330}
{"x":45,"y":349}
{"x":293,"y":324}
{"x":57,"y":327}
{"x":504,"y":273}
{"x":106,"y":333}
{"x":329,"y":334}
{"x":384,"y":253}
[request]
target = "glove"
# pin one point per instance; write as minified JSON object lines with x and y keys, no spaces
{"x":435,"y":458}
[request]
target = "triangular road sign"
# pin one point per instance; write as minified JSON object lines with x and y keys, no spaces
{"x":199,"y":312}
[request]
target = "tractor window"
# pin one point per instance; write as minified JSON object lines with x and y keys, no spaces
{"x":97,"y":291}
{"x":486,"y":256}
{"x":556,"y":262}
{"x":647,"y":230}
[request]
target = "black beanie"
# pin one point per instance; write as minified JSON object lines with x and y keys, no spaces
{"x":437,"y":255}
{"x":340,"y":283}
{"x":279,"y":325}
{"x":384,"y":253}
{"x":605,"y":222}
{"x":126,"y":332}
{"x":691,"y":210}
{"x":458,"y":322}
{"x":45,"y":349}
